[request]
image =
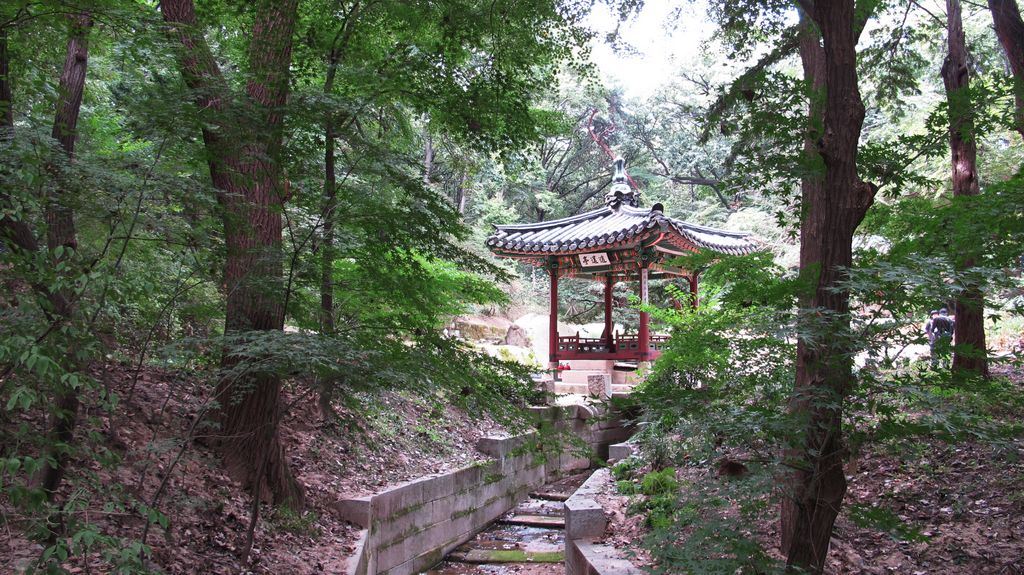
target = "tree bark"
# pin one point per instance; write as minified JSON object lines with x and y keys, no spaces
{"x":60,"y":233}
{"x":832,"y":210}
{"x":243,"y":159}
{"x":6,"y":97}
{"x":460,"y":193}
{"x":330,"y":204}
{"x":812,"y":59}
{"x":1010,"y":31}
{"x":428,"y":157}
{"x":969,"y":353}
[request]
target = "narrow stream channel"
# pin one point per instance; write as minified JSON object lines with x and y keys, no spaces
{"x":528,"y":540}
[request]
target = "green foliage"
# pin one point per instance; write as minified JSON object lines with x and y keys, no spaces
{"x":885,"y":520}
{"x":659,"y":483}
{"x":626,"y":468}
{"x":300,"y":523}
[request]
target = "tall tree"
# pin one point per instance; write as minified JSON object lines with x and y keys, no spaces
{"x":812,"y":59}
{"x":6,"y":100}
{"x":970,"y":303}
{"x":832,"y":210}
{"x":1010,"y":31}
{"x":61,"y":237}
{"x":243,"y":136}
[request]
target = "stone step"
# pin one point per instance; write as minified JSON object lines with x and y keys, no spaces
{"x":550,"y":496}
{"x":580,"y":388}
{"x":542,"y":507}
{"x":484,"y":556}
{"x":535,"y":521}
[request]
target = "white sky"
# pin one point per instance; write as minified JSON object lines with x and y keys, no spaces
{"x":658,"y":38}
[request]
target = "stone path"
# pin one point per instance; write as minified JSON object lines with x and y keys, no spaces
{"x":529,"y":540}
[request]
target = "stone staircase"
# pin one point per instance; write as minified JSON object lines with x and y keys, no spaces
{"x":528,"y":540}
{"x":562,"y":387}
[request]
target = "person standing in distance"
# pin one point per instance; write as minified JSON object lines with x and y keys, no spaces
{"x":942,"y":331}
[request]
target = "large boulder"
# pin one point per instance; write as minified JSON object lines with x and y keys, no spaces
{"x":516,"y":336}
{"x":481,"y":328}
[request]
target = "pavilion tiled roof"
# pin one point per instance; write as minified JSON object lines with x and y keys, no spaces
{"x":614,"y":226}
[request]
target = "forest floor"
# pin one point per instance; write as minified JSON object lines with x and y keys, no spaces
{"x":965,"y":499}
{"x":389,"y":440}
{"x":951,"y":508}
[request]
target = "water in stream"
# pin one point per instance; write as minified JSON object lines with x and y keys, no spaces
{"x":529,"y":540}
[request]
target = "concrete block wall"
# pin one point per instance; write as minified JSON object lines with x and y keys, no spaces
{"x":590,"y":423}
{"x":585,"y":523}
{"x":413,"y":526}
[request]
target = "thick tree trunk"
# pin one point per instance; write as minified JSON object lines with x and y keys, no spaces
{"x":60,"y":233}
{"x":969,"y":354}
{"x":832,"y":212}
{"x":1010,"y":31}
{"x":812,"y":59}
{"x":244,"y":152}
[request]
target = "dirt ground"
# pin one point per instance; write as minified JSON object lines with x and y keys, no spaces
{"x":209,"y":514}
{"x":965,"y":500}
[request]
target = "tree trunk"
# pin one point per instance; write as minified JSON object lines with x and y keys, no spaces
{"x":969,"y":353}
{"x":330,"y":205}
{"x":244,"y":152}
{"x":428,"y":157}
{"x":832,"y":212}
{"x":1010,"y":31}
{"x":6,"y":97}
{"x":60,"y":233}
{"x":812,"y":59}
{"x":460,"y":194}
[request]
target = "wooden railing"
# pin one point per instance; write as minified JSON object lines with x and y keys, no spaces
{"x":577,"y":344}
{"x":624,"y":346}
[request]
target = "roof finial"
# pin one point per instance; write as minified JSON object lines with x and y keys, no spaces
{"x":620,"y":191}
{"x":620,"y":171}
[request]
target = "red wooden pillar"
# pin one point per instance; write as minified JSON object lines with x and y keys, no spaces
{"x":644,"y":336}
{"x":693,"y":290}
{"x":609,"y":283}
{"x":553,"y":321}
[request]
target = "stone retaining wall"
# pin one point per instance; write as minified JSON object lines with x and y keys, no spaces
{"x":592,"y":424}
{"x":414,"y":525}
{"x":585,"y":524}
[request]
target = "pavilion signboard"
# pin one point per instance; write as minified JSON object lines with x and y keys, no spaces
{"x":594,"y":260}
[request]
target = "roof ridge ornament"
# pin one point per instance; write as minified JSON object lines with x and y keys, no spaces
{"x":621,"y":192}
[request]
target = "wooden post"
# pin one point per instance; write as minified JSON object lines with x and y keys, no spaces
{"x":553,"y":321}
{"x":693,"y":290}
{"x":609,"y":283}
{"x":644,"y":336}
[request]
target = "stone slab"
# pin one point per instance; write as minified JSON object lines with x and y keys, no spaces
{"x":536,"y":521}
{"x":487,"y":556}
{"x":501,"y":447}
{"x":584,"y":518}
{"x":355,"y":510}
{"x":620,"y":451}
{"x":549,"y":496}
{"x":357,"y":563}
{"x":601,"y":560}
